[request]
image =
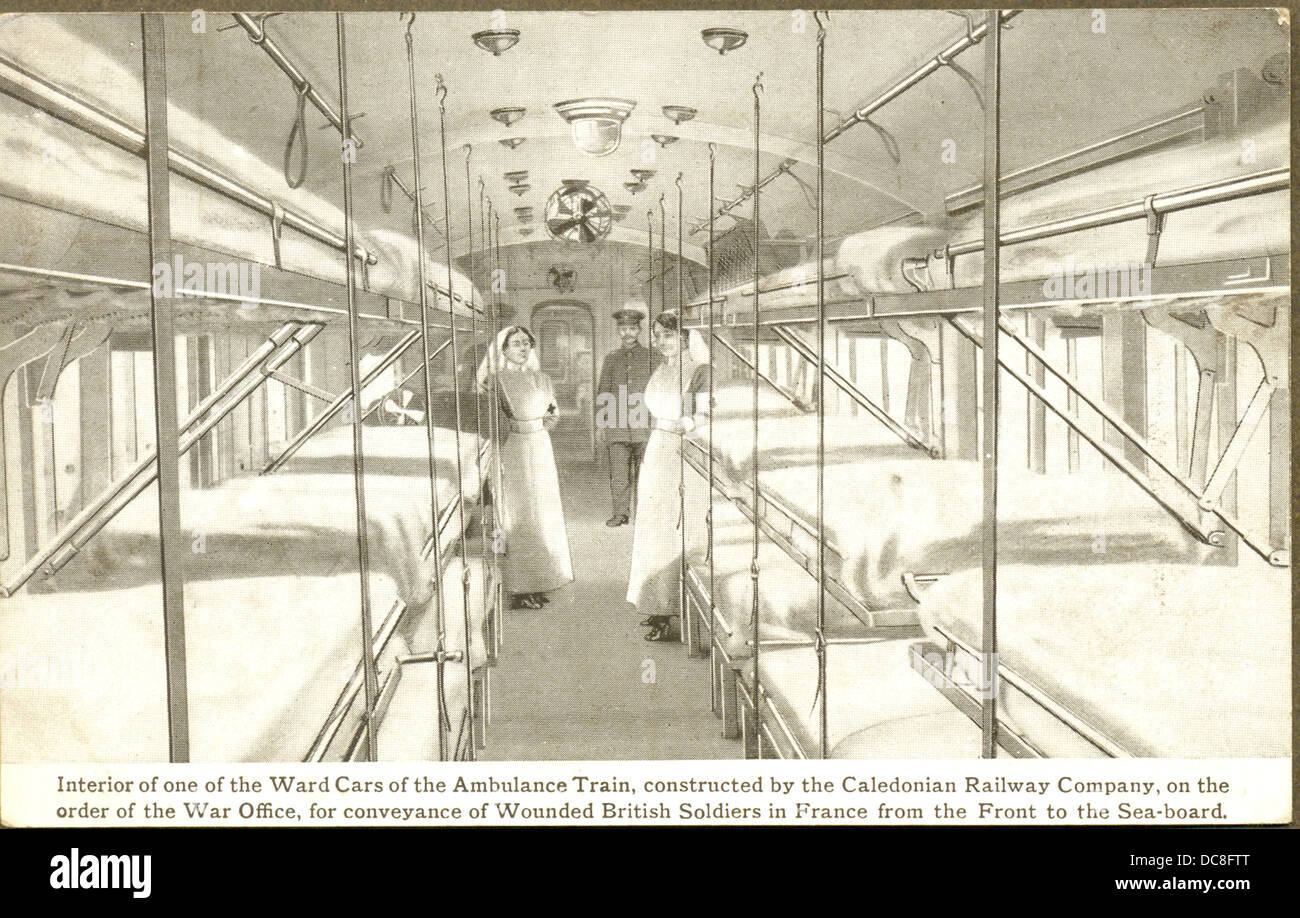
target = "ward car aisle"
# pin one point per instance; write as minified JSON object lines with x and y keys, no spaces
{"x":575,"y":680}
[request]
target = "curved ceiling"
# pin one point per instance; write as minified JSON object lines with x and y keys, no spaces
{"x":1064,"y":84}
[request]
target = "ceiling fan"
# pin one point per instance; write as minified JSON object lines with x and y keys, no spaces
{"x":576,"y":212}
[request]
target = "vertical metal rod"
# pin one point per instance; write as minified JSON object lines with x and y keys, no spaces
{"x":714,"y":688}
{"x":1072,"y":403}
{"x":486,"y":219}
{"x":681,"y":447}
{"x":824,"y":729}
{"x":444,"y":720}
{"x":358,"y":457}
{"x":478,"y":396}
{"x":163,"y":315}
{"x":496,"y":328}
{"x":992,"y":208}
{"x":470,"y":751}
{"x":754,"y":498}
{"x":489,"y":244}
{"x":663,"y":256}
{"x":650,"y":289}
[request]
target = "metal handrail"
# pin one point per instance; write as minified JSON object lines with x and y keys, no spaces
{"x":39,"y":93}
{"x":258,"y":36}
{"x":1167,"y":202}
{"x":938,"y":62}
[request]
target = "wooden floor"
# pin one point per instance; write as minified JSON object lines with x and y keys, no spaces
{"x":576,"y":680}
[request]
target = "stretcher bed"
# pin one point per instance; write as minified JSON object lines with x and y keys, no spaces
{"x":1247,"y":226}
{"x":266,"y":658}
{"x":58,"y":173}
{"x":889,"y":513}
{"x":1148,"y":660}
{"x":272,"y":617}
{"x":894,"y":524}
{"x":885,"y":712}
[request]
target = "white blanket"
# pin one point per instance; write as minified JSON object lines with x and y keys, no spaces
{"x":1166,"y":660}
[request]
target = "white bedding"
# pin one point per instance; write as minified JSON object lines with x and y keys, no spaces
{"x":1248,"y":226}
{"x":889,"y":512}
{"x":787,"y":436}
{"x":1166,"y":660}
{"x":272,"y":611}
{"x":874,"y":699}
{"x":84,"y":676}
{"x":265,"y":523}
{"x":58,"y":166}
{"x":787,"y":593}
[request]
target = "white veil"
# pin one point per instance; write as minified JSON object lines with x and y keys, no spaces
{"x":494,"y":361}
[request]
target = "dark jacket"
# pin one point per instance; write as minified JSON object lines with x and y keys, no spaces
{"x":626,"y":369}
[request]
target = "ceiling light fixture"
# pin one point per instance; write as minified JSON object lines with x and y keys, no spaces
{"x":724,"y":40}
{"x":520,"y":188}
{"x":596,"y":124}
{"x":515,"y":177}
{"x":642,"y":175}
{"x":634,"y":187}
{"x":496,"y":40}
{"x":663,"y":139}
{"x":508,"y":115}
{"x":524,"y":214}
{"x":513,"y":143}
{"x":679,"y":113}
{"x":525,"y":230}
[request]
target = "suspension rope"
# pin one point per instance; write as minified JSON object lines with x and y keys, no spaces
{"x":821,"y":382}
{"x":297,"y":137}
{"x":455,"y":362}
{"x":358,"y":459}
{"x":757,"y":460}
{"x":444,"y":719}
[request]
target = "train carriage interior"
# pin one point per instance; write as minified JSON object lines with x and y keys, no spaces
{"x":993,"y":454}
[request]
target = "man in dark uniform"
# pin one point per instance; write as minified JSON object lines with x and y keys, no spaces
{"x":621,"y":417}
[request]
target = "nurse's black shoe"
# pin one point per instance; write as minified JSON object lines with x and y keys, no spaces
{"x":618,"y":519}
{"x":542,"y":598}
{"x":662,"y":630}
{"x":524,"y":601}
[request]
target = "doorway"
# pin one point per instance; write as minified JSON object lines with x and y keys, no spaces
{"x":565,"y":331}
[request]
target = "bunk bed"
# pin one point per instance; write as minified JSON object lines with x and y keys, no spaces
{"x":269,"y":623}
{"x":1151,"y":660}
{"x":902,"y":532}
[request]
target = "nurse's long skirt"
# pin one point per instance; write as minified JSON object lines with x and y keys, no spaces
{"x":536,"y":557}
{"x":653,"y":585}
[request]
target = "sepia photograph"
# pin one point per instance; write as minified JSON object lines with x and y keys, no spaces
{"x":896,"y":395}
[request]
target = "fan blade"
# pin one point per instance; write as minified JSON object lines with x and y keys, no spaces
{"x":559,"y":227}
